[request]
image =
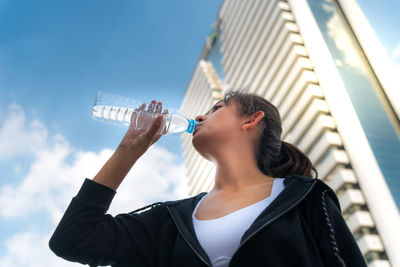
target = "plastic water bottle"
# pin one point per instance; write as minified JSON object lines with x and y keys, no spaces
{"x":125,"y":111}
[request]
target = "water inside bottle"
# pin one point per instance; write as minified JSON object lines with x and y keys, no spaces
{"x":112,"y":114}
{"x":172,"y":124}
{"x":122,"y":116}
{"x":178,"y":125}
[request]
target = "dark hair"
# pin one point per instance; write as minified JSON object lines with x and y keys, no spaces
{"x":274,"y":157}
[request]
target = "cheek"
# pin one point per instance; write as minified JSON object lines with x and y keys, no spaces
{"x":213,"y":134}
{"x":225,"y":124}
{"x":218,"y":127}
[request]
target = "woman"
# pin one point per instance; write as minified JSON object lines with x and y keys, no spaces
{"x":264,"y":208}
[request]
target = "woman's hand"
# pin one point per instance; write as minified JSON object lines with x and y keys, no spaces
{"x":138,"y":141}
{"x":134,"y":144}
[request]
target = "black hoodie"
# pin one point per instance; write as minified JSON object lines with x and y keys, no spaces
{"x":302,"y":227}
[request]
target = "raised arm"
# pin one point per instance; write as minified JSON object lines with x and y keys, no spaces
{"x":134,"y":144}
{"x":88,"y":235}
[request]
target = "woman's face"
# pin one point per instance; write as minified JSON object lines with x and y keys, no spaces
{"x":217,"y":128}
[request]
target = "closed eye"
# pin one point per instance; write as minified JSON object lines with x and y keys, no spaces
{"x":215,"y":108}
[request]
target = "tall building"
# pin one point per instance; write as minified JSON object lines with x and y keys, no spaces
{"x":326,"y":66}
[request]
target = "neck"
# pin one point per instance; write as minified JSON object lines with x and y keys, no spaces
{"x":237,"y":172}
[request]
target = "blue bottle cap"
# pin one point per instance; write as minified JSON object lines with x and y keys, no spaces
{"x":192,"y":125}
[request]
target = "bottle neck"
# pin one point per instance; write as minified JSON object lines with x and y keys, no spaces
{"x":191,"y":126}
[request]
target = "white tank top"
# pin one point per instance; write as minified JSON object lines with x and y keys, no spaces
{"x":220,"y":237}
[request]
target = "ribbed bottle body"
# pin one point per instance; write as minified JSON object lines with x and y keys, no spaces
{"x":107,"y":109}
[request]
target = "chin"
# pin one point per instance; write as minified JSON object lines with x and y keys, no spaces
{"x":197,"y":143}
{"x":200,"y":145}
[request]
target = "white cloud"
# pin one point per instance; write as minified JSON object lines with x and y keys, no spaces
{"x":328,"y":7}
{"x":337,"y":31}
{"x":30,"y":249}
{"x":17,"y":138}
{"x":151,"y":180}
{"x":52,"y":181}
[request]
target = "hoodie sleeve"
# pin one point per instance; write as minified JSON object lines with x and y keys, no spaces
{"x":86,"y":234}
{"x":335,"y":240}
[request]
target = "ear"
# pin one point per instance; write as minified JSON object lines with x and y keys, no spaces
{"x":253,"y":120}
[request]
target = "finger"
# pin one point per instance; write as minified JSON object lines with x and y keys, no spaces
{"x":134,"y":117}
{"x":163,"y":130}
{"x":158,"y":108}
{"x":152,"y":106}
{"x":142,"y":107}
{"x":158,"y":111}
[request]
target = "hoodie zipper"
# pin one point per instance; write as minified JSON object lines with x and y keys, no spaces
{"x":277,"y":216}
{"x":244,"y":241}
{"x":184,"y":237}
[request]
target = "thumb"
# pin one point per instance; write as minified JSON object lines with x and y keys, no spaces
{"x":155,"y":126}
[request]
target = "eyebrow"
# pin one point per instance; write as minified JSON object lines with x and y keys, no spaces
{"x":213,"y":106}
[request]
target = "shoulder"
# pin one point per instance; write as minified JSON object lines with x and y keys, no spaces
{"x":162,"y":206}
{"x":326,"y":193}
{"x":188,"y":200}
{"x":321,"y":191}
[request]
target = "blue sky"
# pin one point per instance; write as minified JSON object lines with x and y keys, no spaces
{"x":384,"y":20}
{"x":54,"y":56}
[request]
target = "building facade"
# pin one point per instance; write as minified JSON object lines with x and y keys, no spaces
{"x":321,"y":63}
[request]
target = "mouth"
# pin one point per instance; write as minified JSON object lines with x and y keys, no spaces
{"x":196,"y":129}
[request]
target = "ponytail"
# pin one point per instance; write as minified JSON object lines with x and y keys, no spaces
{"x":292,"y":161}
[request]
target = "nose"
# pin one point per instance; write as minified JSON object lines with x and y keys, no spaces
{"x":200,"y":118}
